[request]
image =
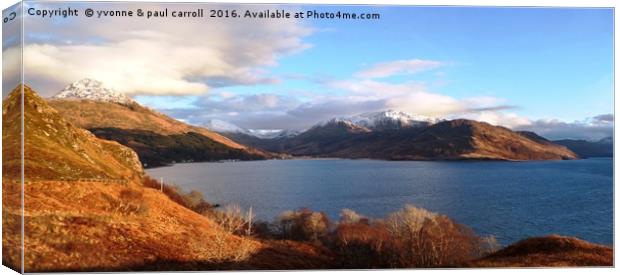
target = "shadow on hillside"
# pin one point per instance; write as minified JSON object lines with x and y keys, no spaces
{"x":549,"y":251}
{"x":264,"y":259}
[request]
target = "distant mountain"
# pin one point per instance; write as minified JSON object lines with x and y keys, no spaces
{"x":92,"y":90}
{"x":588,"y":149}
{"x":228,"y":129}
{"x":373,"y":121}
{"x":155,"y":136}
{"x":389,"y":120}
{"x":455,"y":139}
{"x":55,"y":149}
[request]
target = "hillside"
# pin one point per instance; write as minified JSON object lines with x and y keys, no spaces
{"x":121,"y":122}
{"x":69,"y":152}
{"x":455,"y":139}
{"x":557,"y":251}
{"x":157,"y":149}
{"x":588,"y":149}
{"x":87,"y":209}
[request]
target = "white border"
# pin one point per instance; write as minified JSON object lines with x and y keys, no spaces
{"x":555,"y":3}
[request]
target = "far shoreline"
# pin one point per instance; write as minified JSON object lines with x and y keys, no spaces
{"x":469,"y":160}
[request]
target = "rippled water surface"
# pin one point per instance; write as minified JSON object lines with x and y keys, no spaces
{"x":510,"y":200}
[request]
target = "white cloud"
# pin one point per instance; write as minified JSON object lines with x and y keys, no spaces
{"x":11,"y":70}
{"x":272,"y":111}
{"x":156,"y":56}
{"x":412,"y":97}
{"x":350,"y":97}
{"x":510,"y":120}
{"x":594,"y":128}
{"x":410,"y":66}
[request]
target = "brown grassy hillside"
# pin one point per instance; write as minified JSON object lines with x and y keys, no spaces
{"x":552,"y":250}
{"x":97,"y":226}
{"x":496,"y":142}
{"x":55,"y":149}
{"x":158,"y":139}
{"x":88,"y":114}
{"x":86,"y":209}
{"x":446,"y":140}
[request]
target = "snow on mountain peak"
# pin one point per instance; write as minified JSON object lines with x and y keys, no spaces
{"x":223,"y":126}
{"x":383,"y":120}
{"x":92,"y":90}
{"x":227,"y":127}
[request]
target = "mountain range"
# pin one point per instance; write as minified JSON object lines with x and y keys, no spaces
{"x":384,"y":120}
{"x":393,"y":135}
{"x":331,"y":138}
{"x":587,"y":148}
{"x":449,"y":140}
{"x":221,"y":126}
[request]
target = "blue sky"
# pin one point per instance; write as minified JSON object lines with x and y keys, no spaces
{"x":547,"y":62}
{"x":525,"y":68}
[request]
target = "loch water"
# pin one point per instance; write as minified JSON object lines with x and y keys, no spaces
{"x":510,"y":200}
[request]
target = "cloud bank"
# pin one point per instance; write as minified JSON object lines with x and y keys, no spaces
{"x":277,"y":111}
{"x":157,"y":56}
{"x":594,"y":128}
{"x":198,"y":64}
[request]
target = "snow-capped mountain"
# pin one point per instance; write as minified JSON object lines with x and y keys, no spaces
{"x":92,"y":90}
{"x":385,"y":120}
{"x":227,"y":127}
{"x":374,"y":121}
{"x":272,"y":134}
{"x":223,"y":126}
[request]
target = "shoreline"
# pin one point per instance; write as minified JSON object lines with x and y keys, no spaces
{"x":477,"y":160}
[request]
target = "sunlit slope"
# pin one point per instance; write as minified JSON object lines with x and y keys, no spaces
{"x":446,"y":140}
{"x":86,"y":208}
{"x":556,"y":251}
{"x":89,"y":114}
{"x":158,"y":139}
{"x":55,"y":149}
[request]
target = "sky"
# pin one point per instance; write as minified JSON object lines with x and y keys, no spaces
{"x":549,"y":70}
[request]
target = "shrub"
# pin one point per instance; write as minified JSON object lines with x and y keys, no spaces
{"x":488,"y":245}
{"x":303,"y":225}
{"x":230,"y":219}
{"x":193,"y":200}
{"x":362,"y":244}
{"x":426,"y":239}
{"x":348,"y":216}
{"x":130,"y":202}
{"x":265,"y":230}
{"x":410,"y":237}
{"x":445,"y":243}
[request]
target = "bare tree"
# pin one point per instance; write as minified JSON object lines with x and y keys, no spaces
{"x":315,"y":226}
{"x":348,"y":216}
{"x":231,"y":220}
